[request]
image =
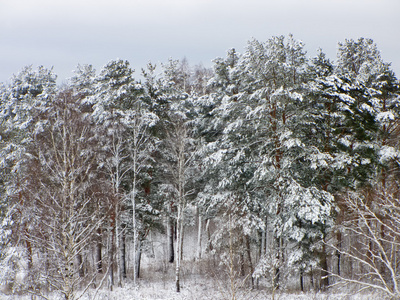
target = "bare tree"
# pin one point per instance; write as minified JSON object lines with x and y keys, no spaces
{"x":68,"y":206}
{"x":116,"y":166}
{"x":180,"y":150}
{"x":373,"y":225}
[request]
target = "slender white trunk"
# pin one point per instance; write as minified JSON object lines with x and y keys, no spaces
{"x":134,"y":230}
{"x":117,"y":247}
{"x":266,"y":236}
{"x":209,"y":245}
{"x":178,"y":249}
{"x":181,"y":239}
{"x":135,"y":235}
{"x":116,"y":173}
{"x":181,"y":205}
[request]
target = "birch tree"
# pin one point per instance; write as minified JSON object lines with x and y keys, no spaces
{"x":61,"y":186}
{"x":140,"y":148}
{"x":374,"y":255}
{"x":178,"y":162}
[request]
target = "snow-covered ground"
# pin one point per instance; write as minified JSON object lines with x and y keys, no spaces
{"x":200,"y":280}
{"x":209,"y":290}
{"x":199,"y":287}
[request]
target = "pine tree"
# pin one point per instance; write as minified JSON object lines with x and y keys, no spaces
{"x":83,"y":80}
{"x":122,"y":112}
{"x":258,"y":146}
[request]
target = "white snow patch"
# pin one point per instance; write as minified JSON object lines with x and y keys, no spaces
{"x":387,"y":153}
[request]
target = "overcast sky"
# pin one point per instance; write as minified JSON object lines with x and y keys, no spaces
{"x":63,"y":34}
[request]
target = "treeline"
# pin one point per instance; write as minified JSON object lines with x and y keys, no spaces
{"x":293,"y":161}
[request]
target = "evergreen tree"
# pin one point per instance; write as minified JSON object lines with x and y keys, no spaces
{"x":122,"y":112}
{"x":258,"y":150}
{"x":83,"y":80}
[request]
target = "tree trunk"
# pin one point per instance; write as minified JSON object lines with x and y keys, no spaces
{"x":179,"y":241}
{"x":123,"y":255}
{"x":241,"y":262}
{"x":199,"y":236}
{"x":279,"y":259}
{"x":264,"y":239}
{"x":312,"y":278}
{"x":135,"y":238}
{"x":324,"y":268}
{"x":138,"y":258}
{"x":134,"y":222}
{"x":99,"y":259}
{"x":301,"y":280}
{"x":170,"y":237}
{"x":232,"y":274}
{"x":111,"y":252}
{"x":382,"y":266}
{"x":111,"y":261}
{"x":338,"y":256}
{"x":248,"y":251}
{"x":80,"y":265}
{"x":209,"y":243}
{"x":261,"y":241}
{"x":117,"y":247}
{"x":29,"y":252}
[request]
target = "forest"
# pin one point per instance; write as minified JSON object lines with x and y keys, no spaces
{"x":278,"y":165}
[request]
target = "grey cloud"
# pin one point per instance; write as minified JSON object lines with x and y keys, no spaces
{"x":65,"y":33}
